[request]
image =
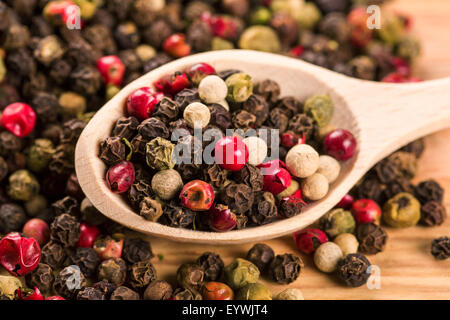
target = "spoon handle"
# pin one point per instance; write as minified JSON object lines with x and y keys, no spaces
{"x":392,"y":115}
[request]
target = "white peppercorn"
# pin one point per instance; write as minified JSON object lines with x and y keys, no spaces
{"x":212,"y":89}
{"x":327,"y":257}
{"x":315,"y":187}
{"x":290,"y":294}
{"x":167,"y":184}
{"x":302,"y":161}
{"x":347,"y":242}
{"x":329,"y":167}
{"x":257,"y":150}
{"x":197,"y":115}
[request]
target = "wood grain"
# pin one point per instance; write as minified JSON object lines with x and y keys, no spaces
{"x":408,"y":271}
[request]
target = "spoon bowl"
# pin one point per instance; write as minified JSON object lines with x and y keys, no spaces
{"x":383,"y":117}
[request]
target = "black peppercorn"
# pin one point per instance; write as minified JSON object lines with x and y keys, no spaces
{"x":125,"y":127}
{"x":136,"y":250}
{"x":9,"y":143}
{"x":46,"y":107}
{"x":440,"y":248}
{"x":53,"y":254}
{"x":12,"y":218}
{"x":157,"y":32}
{"x":432,"y":213}
{"x":90,"y":293}
{"x":67,"y":205}
{"x":141,"y":274}
{"x":3,"y":168}
{"x":153,"y":128}
{"x":112,"y":150}
{"x":85,"y":80}
{"x":353,"y":270}
{"x":156,"y":61}
{"x":42,"y":277}
{"x":220,"y":117}
{"x":285,"y":268}
{"x":370,"y":188}
{"x":158,"y":290}
{"x":113,"y":270}
{"x":127,"y":35}
{"x":429,"y":190}
{"x":278,"y":119}
{"x":124,"y":293}
{"x":107,"y":288}
{"x":212,"y":265}
{"x":239,"y":197}
{"x":190,"y":276}
{"x":167,"y":110}
{"x":186,"y":294}
{"x":264,"y":208}
{"x":199,"y":36}
{"x":71,"y":131}
{"x":243,"y":120}
{"x":176,"y":216}
{"x":87,"y":259}
{"x":302,"y":125}
{"x":416,"y":147}
{"x":261,"y":255}
{"x":69,"y":282}
{"x":65,"y":229}
{"x":372,"y":238}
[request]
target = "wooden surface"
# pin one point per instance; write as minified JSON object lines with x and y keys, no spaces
{"x":408,"y":271}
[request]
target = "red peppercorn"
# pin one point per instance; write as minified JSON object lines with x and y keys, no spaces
{"x":55,"y":298}
{"x":60,"y":12}
{"x":289,"y":139}
{"x":176,"y":46}
{"x":366,"y":211}
{"x":309,"y":240}
{"x":197,"y":195}
{"x":142,"y":102}
{"x":402,"y":67}
{"x":276,"y":177}
{"x":231,"y":153}
{"x":29,"y":294}
{"x":217,"y":291}
{"x":360,"y":35}
{"x":221,"y":218}
{"x":172,"y":84}
{"x":297,"y":51}
{"x":198,"y":71}
{"x":111,"y":69}
{"x":346,"y":202}
{"x":37,"y":229}
{"x":120,"y":177}
{"x":19,"y":255}
{"x":19,"y":118}
{"x":221,"y":26}
{"x":108,"y":247}
{"x":88,"y":234}
{"x":340,"y":144}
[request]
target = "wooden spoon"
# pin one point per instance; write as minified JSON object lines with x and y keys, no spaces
{"x":383,"y":117}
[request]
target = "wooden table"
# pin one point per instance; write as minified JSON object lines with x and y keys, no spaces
{"x":408,"y":271}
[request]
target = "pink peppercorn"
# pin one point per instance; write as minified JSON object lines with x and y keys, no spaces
{"x":19,"y":118}
{"x":120,"y":177}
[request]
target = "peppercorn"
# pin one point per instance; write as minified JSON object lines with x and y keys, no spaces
{"x":261,"y":255}
{"x":429,"y":190}
{"x":113,"y":270}
{"x":158,"y":290}
{"x":67,"y":205}
{"x":264,"y":209}
{"x":240,"y":87}
{"x":401,"y":211}
{"x":212,"y":265}
{"x":353,"y":270}
{"x":320,"y":108}
{"x":260,"y":38}
{"x":177,"y":216}
{"x":150,"y":209}
{"x":72,"y":104}
{"x":8,"y":287}
{"x":240,"y":273}
{"x":71,"y":131}
{"x":136,"y":250}
{"x":42,"y":277}
{"x":23,"y":185}
{"x":372,"y":238}
{"x":315,"y":187}
{"x":141,"y":274}
{"x":124,"y":293}
{"x":167,"y":184}
{"x":239,"y":197}
{"x":12,"y":218}
{"x":90,"y":293}
{"x":416,"y":148}
{"x":433,"y":214}
{"x":336,"y":222}
{"x":159,"y":154}
{"x":190,"y":276}
{"x":186,"y":294}
{"x":285,"y":268}
{"x":406,"y":163}
{"x":69,"y":282}
{"x":302,"y":161}
{"x":440,"y":248}
{"x":329,"y":168}
{"x":327,"y":256}
{"x":65,"y":229}
{"x":86,"y":259}
{"x":347,"y":242}
{"x":197,"y":115}
{"x":53,"y":254}
{"x":254,"y":291}
{"x":289,"y":294}
{"x":40,"y":154}
{"x":9,"y":143}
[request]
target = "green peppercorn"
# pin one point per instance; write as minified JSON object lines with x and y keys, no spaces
{"x":40,"y":154}
{"x":23,"y":185}
{"x":336,"y":222}
{"x":88,"y":8}
{"x":111,"y":91}
{"x":402,"y":211}
{"x":35,"y":205}
{"x":240,"y":87}
{"x":72,"y":104}
{"x":408,"y":48}
{"x":308,"y":17}
{"x":2,"y":70}
{"x":392,"y":29}
{"x":221,"y":44}
{"x":240,"y":273}
{"x":260,"y":38}
{"x":261,"y":15}
{"x":159,"y":154}
{"x":254,"y":291}
{"x":320,"y":108}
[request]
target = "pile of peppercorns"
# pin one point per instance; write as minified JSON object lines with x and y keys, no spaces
{"x":242,"y":186}
{"x":64,"y":75}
